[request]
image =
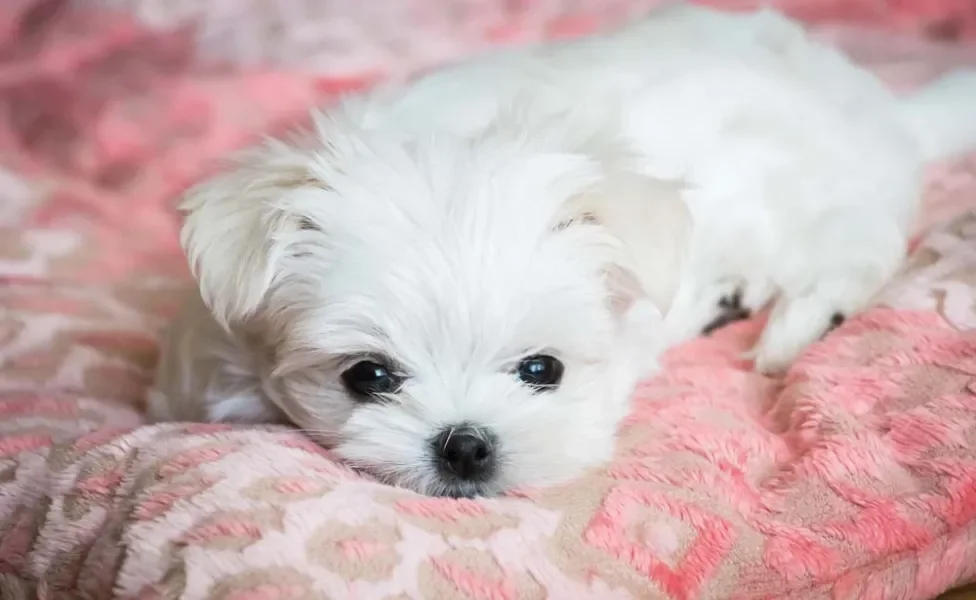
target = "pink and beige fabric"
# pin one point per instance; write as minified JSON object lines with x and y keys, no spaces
{"x":852,"y":477}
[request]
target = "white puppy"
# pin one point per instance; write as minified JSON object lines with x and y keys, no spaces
{"x":457,"y":285}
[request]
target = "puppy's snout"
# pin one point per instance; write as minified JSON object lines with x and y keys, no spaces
{"x":466,"y":452}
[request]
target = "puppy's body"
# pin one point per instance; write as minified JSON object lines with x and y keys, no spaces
{"x":590,"y":202}
{"x":802,"y":171}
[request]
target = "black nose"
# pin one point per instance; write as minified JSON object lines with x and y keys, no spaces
{"x":465,"y":452}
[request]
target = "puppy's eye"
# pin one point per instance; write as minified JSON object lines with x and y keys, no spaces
{"x":370,"y":378}
{"x":541,"y":371}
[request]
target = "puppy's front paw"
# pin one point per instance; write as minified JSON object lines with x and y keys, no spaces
{"x":702,"y":308}
{"x":793,"y":325}
{"x":730,"y":310}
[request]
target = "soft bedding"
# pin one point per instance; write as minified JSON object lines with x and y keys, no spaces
{"x":854,"y":476}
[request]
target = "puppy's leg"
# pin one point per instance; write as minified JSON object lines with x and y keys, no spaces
{"x":730,"y":310}
{"x":833,"y":272}
{"x":706,"y":304}
{"x":697,"y":306}
{"x":751,"y":295}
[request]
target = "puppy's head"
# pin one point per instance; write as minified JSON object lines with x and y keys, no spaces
{"x":454,"y":316}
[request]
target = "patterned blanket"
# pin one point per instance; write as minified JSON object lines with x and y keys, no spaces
{"x":854,"y":476}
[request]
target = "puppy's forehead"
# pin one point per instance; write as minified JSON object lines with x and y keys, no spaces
{"x":481,"y":283}
{"x":444,"y":184}
{"x":450,"y":238}
{"x":427,"y":309}
{"x":455,"y":206}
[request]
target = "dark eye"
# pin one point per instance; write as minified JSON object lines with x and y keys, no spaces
{"x":540,"y":371}
{"x":369,"y":378}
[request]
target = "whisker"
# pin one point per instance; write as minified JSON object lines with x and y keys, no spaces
{"x":447,"y":440}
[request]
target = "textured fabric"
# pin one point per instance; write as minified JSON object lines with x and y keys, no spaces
{"x":854,"y":476}
{"x":381,"y":38}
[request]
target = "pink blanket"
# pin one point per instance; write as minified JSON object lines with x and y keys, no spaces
{"x":852,"y":477}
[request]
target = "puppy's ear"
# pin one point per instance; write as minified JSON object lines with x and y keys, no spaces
{"x":652,"y":226}
{"x":647,"y":217}
{"x":239,"y":227}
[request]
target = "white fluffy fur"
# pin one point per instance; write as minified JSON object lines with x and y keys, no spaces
{"x":595,"y":199}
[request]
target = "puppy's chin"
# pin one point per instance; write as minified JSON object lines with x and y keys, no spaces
{"x":445,"y":487}
{"x":428,"y":482}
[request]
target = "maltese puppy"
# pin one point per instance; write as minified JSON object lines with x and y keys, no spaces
{"x":457,"y":285}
